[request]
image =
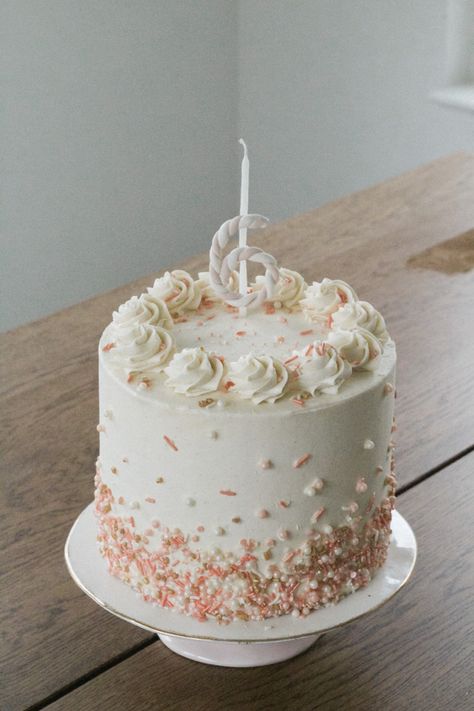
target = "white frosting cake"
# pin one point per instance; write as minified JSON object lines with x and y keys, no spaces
{"x":245,"y":464}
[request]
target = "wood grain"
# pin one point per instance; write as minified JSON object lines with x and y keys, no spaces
{"x":417,"y":652}
{"x":49,"y":403}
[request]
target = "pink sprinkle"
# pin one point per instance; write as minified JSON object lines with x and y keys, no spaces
{"x":290,"y":360}
{"x":298,"y":402}
{"x":283,"y":504}
{"x":302,"y":460}
{"x":155,"y":523}
{"x":282,"y":319}
{"x":265,"y":464}
{"x":270,"y":542}
{"x":239,"y":334}
{"x":108,"y":347}
{"x":227,"y":492}
{"x":150,"y":499}
{"x":280,"y":339}
{"x":201,"y":529}
{"x":263,"y":513}
{"x":170,"y":442}
{"x":149,"y":532}
{"x":308,"y":332}
{"x":361,"y":485}
{"x":195,"y":538}
{"x":317,"y":514}
{"x":121,"y":500}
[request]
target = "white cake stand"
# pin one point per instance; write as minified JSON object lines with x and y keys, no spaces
{"x":239,"y":644}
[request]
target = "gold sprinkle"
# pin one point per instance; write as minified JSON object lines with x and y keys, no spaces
{"x":208,"y":402}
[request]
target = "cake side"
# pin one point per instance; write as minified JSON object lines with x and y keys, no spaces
{"x":201,"y":506}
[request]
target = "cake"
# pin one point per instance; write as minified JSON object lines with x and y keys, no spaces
{"x":246,"y":456}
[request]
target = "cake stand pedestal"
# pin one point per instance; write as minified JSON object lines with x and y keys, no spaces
{"x":239,"y":644}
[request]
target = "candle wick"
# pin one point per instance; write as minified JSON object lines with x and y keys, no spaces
{"x":242,"y":142}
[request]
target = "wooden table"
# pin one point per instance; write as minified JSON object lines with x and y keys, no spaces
{"x":405,"y":245}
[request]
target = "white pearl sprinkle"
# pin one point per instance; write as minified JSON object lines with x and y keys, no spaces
{"x":134,"y":505}
{"x":190,"y":501}
{"x":327,"y":528}
{"x":368,"y":444}
{"x":142,"y":386}
{"x":309,"y":491}
{"x":219,"y":531}
{"x":313,"y":584}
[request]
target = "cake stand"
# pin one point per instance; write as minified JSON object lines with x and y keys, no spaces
{"x":239,"y":644}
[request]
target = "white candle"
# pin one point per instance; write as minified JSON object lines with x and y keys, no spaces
{"x":244,"y":210}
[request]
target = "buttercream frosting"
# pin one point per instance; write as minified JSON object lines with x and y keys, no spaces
{"x":258,"y":378}
{"x":142,"y":309}
{"x":142,"y":348}
{"x":321,"y":369}
{"x":194,"y":372}
{"x":289,"y":289}
{"x":322,"y":299}
{"x":361,"y":314}
{"x":178,"y":290}
{"x":359,"y":347}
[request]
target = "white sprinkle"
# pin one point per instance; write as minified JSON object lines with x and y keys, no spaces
{"x":219,"y":531}
{"x":190,"y":501}
{"x":142,"y":386}
{"x":368,"y":444}
{"x":265,"y":464}
{"x":318,"y":484}
{"x":108,"y":413}
{"x":134,"y":505}
{"x":213,"y":434}
{"x":295,"y":613}
{"x":327,"y":528}
{"x":309,"y":490}
{"x":313,"y":584}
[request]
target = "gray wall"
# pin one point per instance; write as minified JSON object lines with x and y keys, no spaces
{"x":334,"y":96}
{"x":121,"y":119}
{"x":118,"y":135}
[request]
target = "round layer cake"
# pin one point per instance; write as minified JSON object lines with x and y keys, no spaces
{"x":245,"y":466}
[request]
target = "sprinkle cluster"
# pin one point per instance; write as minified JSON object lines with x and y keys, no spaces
{"x":230,"y":585}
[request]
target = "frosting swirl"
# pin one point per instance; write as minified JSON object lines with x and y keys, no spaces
{"x":142,"y":348}
{"x":289,"y":290}
{"x":260,"y":379}
{"x":142,"y":309}
{"x":208,"y":293}
{"x":194,"y":372}
{"x":321,"y":369}
{"x":360,"y":348}
{"x":361,"y":314}
{"x":322,"y":299}
{"x":178,"y":290}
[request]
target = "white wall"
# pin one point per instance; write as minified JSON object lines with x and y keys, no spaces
{"x":119,"y":135}
{"x":334,"y":96}
{"x":117,"y":138}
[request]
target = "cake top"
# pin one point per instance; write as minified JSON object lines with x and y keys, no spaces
{"x":211,"y":342}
